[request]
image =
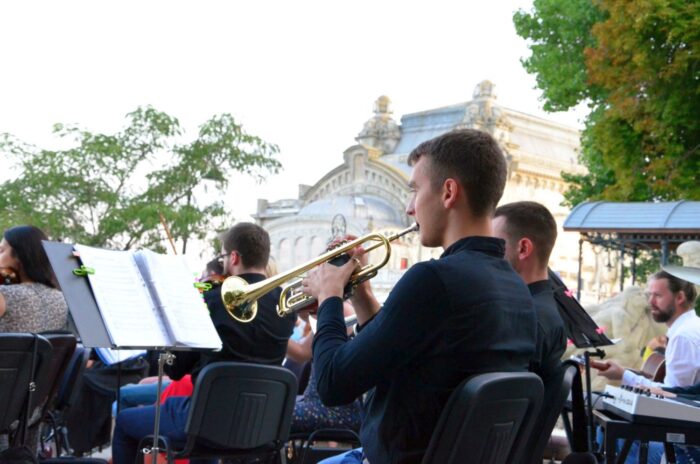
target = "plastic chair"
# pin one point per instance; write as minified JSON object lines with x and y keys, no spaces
{"x":237,"y":410}
{"x":487,"y":419}
{"x":65,"y":397}
{"x":62,"y":348}
{"x":301,"y":370}
{"x":556,"y":391}
{"x":15,"y":372}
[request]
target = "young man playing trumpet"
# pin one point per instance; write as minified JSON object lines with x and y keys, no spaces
{"x":447,"y":319}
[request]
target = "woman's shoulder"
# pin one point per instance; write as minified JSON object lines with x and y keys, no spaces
{"x":15,"y":290}
{"x":42,"y":288}
{"x":32,"y":291}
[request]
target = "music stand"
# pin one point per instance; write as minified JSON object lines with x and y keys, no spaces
{"x":582,"y":330}
{"x":88,"y":320}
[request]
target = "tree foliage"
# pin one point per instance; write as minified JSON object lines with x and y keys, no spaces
{"x":637,"y":65}
{"x":110,"y":190}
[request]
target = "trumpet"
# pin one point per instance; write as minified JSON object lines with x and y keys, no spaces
{"x":241,"y":299}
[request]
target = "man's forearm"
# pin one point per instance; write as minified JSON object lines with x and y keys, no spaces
{"x":365,"y":304}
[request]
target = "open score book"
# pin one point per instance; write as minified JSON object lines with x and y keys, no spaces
{"x":148,"y":300}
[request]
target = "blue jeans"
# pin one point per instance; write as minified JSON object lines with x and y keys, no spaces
{"x":132,"y":395}
{"x":684,"y":454}
{"x":351,"y":457}
{"x":135,"y":423}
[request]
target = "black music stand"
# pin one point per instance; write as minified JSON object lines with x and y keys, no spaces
{"x":582,"y":330}
{"x":87,"y":317}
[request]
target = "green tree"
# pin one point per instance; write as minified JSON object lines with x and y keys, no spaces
{"x":110,"y":190}
{"x":637,"y":65}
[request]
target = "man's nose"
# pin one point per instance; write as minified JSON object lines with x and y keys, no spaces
{"x":410,"y":210}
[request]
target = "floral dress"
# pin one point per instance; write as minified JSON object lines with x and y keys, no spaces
{"x":310,"y":414}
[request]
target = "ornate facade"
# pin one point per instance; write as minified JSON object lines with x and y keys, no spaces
{"x":368,"y":191}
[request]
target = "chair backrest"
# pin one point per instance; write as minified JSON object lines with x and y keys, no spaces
{"x":556,"y":391}
{"x":301,"y":372}
{"x":63,"y":346}
{"x":15,"y":370}
{"x":72,"y":378}
{"x":304,"y":377}
{"x":240,"y":406}
{"x":484,"y":417}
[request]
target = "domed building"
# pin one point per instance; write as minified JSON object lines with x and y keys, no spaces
{"x":368,"y":191}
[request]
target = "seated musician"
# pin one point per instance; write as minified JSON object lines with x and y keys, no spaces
{"x":213,"y":272}
{"x":530,"y":231}
{"x":31,"y":300}
{"x":34,"y":304}
{"x":245,"y":253}
{"x":672,"y":301}
{"x":309,"y":412}
{"x":447,"y":319}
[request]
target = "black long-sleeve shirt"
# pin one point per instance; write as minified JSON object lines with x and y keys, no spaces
{"x":551,"y":335}
{"x":692,"y":392}
{"x":445,"y":320}
{"x":261,"y":341}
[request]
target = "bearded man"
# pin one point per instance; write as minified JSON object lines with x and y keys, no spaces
{"x":672,"y":302}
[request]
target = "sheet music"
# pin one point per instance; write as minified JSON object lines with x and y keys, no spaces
{"x":182,"y":306}
{"x":110,"y":356}
{"x":125,"y":304}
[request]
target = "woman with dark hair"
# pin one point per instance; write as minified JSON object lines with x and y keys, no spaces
{"x":34,"y":304}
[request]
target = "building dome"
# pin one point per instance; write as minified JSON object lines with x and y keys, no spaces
{"x":360,"y":207}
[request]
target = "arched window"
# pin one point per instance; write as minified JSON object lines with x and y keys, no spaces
{"x":299,"y":251}
{"x":284,"y":256}
{"x":318,"y":246}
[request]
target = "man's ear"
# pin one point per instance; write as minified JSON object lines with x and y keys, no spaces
{"x":525,"y":248}
{"x":235,"y":258}
{"x":680,"y":299}
{"x":450,"y":192}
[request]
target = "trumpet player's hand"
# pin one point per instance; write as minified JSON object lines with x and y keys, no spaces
{"x":328,"y":280}
{"x":358,"y":253}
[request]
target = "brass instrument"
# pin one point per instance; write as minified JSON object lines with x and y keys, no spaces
{"x":241,"y":298}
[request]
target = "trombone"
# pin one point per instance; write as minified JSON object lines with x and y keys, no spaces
{"x":241,"y":298}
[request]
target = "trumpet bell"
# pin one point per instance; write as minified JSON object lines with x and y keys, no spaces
{"x":234,"y":293}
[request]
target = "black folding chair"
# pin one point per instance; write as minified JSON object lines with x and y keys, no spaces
{"x":16,"y":370}
{"x":487,"y":419}
{"x":556,"y":391}
{"x":238,"y":410}
{"x":301,"y":370}
{"x":62,"y":348}
{"x":65,"y":397}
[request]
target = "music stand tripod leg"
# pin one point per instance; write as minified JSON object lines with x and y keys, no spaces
{"x":163,"y":358}
{"x":670,"y":453}
{"x":589,"y":397}
{"x":643,"y":451}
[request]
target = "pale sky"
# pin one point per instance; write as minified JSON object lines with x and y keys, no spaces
{"x":301,"y":74}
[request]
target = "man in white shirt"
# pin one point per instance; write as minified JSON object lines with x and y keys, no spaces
{"x":672,"y":301}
